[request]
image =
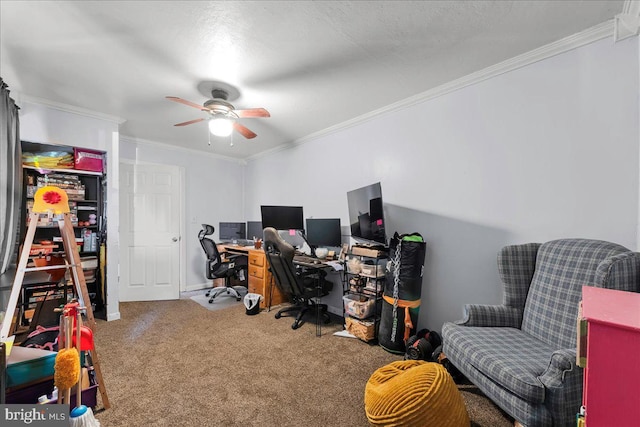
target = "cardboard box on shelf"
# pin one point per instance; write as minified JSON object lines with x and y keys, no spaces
{"x":371,"y":252}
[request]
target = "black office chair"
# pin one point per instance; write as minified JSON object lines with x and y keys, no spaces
{"x":300,"y":286}
{"x":231,"y":267}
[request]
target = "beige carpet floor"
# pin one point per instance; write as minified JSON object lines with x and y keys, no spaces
{"x":175,"y":363}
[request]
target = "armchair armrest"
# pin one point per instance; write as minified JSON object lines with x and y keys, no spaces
{"x":491,"y":315}
{"x":562,"y":363}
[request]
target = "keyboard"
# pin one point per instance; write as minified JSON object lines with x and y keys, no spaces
{"x":303,"y":259}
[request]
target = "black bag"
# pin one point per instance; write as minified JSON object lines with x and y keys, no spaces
{"x":407,"y":254}
{"x":43,"y":338}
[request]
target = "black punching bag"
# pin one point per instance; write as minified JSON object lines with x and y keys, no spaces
{"x":402,"y":289}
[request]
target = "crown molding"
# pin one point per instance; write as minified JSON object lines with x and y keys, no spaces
{"x":631,"y":7}
{"x":135,"y":140}
{"x":583,"y":38}
{"x":627,"y":23}
{"x":279,"y":148}
{"x":69,"y":108}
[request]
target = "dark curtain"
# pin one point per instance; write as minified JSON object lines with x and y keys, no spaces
{"x":10,"y":176}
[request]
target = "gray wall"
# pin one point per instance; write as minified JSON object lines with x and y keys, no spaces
{"x":543,"y":152}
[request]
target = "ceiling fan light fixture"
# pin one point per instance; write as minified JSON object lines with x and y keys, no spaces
{"x":221,"y":126}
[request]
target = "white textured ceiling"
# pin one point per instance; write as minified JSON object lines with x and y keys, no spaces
{"x":312,"y":64}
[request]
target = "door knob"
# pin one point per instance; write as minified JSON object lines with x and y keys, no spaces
{"x":174,"y":239}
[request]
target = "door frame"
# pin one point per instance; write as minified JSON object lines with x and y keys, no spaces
{"x":182,"y":277}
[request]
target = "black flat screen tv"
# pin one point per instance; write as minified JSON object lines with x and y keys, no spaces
{"x":366,"y":216}
{"x":282,"y":217}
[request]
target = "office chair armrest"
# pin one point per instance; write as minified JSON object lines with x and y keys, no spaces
{"x":228,"y":256}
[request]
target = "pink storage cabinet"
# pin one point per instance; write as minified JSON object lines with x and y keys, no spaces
{"x":612,"y":372}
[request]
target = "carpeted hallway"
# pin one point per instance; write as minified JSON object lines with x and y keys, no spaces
{"x":175,"y":363}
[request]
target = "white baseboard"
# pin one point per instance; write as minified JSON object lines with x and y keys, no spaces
{"x":113,"y":316}
{"x":197,"y":287}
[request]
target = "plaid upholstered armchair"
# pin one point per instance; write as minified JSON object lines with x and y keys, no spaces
{"x":522,"y":354}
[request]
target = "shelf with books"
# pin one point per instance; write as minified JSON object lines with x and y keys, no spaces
{"x":85,"y":190}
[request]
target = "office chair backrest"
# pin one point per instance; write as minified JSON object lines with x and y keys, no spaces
{"x":280,"y":256}
{"x":210,"y":249}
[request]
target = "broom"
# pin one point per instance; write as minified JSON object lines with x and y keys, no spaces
{"x":81,"y":416}
{"x":67,"y":364}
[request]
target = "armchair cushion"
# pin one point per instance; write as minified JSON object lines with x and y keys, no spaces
{"x":562,"y":268}
{"x":511,"y":358}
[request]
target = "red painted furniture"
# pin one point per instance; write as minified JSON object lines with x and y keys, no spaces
{"x":612,"y":375}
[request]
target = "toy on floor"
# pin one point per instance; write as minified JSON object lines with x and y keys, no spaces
{"x":67,"y":365}
{"x":81,"y":415}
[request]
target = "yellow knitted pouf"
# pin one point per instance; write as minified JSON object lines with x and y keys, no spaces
{"x":414,"y":393}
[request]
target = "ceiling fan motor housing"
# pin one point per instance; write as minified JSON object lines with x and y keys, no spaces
{"x":219,"y":106}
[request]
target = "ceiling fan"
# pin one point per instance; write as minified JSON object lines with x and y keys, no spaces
{"x":223,"y":115}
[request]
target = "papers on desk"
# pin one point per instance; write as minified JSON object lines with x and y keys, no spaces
{"x":336,"y":265}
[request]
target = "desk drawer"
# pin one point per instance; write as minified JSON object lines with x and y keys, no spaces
{"x":257,"y":272}
{"x":256,"y":286}
{"x":256,"y":259}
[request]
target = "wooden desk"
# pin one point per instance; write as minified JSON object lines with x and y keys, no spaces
{"x":260,"y":280}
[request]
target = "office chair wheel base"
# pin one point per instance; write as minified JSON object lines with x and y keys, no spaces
{"x":211,"y":299}
{"x":279,"y":315}
{"x":295,"y":325}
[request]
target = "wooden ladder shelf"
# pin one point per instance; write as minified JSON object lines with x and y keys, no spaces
{"x":74,"y":264}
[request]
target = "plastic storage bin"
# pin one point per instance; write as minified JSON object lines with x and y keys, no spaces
{"x":358,"y":306}
{"x":88,"y":160}
{"x":27,"y":365}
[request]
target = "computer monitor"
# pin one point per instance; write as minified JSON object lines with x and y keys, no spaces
{"x":232,"y":230}
{"x":254,"y":229}
{"x":324,"y":232}
{"x":282,"y":217}
{"x":366,"y":215}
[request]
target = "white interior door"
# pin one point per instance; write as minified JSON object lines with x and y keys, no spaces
{"x":149,"y":232}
